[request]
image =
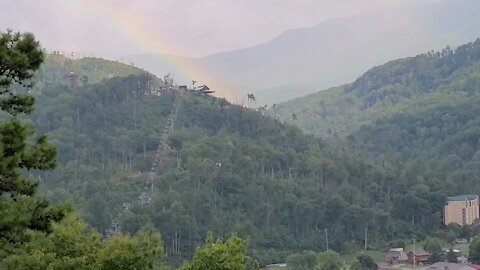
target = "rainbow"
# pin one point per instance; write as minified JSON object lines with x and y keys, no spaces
{"x":132,"y":26}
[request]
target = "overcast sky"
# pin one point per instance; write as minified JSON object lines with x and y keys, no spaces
{"x":192,"y":27}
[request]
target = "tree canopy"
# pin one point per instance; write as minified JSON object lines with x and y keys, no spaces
{"x":20,"y":151}
{"x":219,"y":255}
{"x":71,"y":245}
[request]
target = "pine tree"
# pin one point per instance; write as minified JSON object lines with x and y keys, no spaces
{"x":20,"y":56}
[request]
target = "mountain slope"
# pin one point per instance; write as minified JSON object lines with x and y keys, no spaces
{"x":433,"y":78}
{"x":416,"y":117}
{"x":226,"y":169}
{"x":56,"y":68}
{"x":439,"y":141}
{"x":445,"y":134}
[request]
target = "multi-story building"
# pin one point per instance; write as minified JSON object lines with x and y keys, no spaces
{"x":461,"y":209}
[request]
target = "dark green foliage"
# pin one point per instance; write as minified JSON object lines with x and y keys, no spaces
{"x":397,"y":244}
{"x":219,"y":255}
{"x":228,"y":169}
{"x":20,"y":56}
{"x":474,"y":251}
{"x":396,"y":87}
{"x":434,"y":247}
{"x":436,"y":145}
{"x":366,"y":262}
{"x":415,"y":118}
{"x":72,"y":245}
{"x":329,"y":260}
{"x":55,"y":71}
{"x":306,"y":260}
{"x":105,"y":135}
{"x":451,"y":256}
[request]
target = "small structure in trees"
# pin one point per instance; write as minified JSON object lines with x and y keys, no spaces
{"x":72,"y":80}
{"x":144,"y":199}
{"x":419,"y":257}
{"x":202,"y":90}
{"x":182,"y":89}
{"x":126,"y":205}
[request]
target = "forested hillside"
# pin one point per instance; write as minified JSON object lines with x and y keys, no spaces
{"x":430,"y":79}
{"x":441,"y":141}
{"x":56,"y":68}
{"x":232,"y":169}
{"x":227,"y":169}
{"x":105,"y":166}
{"x":416,"y":118}
{"x":36,"y":235}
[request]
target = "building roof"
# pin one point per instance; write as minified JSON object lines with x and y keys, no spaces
{"x":450,"y":266}
{"x":463,"y":197}
{"x":420,"y":253}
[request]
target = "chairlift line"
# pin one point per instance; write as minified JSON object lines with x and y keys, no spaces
{"x":145,"y":196}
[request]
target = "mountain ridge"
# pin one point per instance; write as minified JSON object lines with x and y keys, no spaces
{"x":320,"y":56}
{"x":384,"y":90}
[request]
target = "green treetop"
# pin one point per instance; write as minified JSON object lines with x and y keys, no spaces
{"x":474,"y":251}
{"x":219,"y":255}
{"x":329,"y":260}
{"x":20,"y":56}
{"x":71,"y":245}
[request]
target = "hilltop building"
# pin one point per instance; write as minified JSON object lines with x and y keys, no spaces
{"x":461,"y":209}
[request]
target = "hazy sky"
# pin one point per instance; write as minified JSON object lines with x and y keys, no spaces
{"x":188,"y":27}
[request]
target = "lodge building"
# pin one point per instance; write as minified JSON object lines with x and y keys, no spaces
{"x":461,"y":209}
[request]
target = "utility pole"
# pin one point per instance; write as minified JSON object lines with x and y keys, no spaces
{"x":152,"y":176}
{"x":326,"y":237}
{"x":365,"y":248}
{"x":414,"y":257}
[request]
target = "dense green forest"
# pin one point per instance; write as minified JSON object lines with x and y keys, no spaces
{"x":36,"y":235}
{"x":440,"y":142}
{"x":232,"y":169}
{"x":228,"y":169}
{"x":56,"y":68}
{"x":416,"y":118}
{"x":428,"y":79}
{"x":419,"y":112}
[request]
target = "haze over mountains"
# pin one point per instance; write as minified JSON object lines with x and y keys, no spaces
{"x":302,"y":61}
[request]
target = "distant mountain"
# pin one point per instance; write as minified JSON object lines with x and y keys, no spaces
{"x":303,"y":61}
